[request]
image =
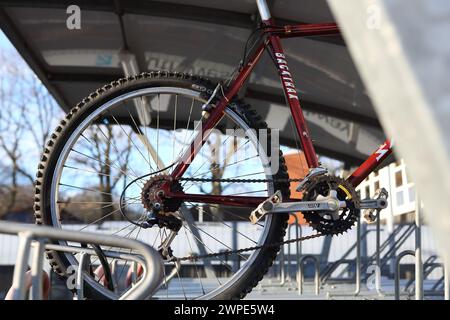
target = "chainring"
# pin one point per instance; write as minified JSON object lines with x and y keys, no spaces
{"x":323,"y":221}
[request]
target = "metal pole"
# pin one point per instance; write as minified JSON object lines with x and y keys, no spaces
{"x":378,"y":273}
{"x":234,"y":246}
{"x":23,"y":253}
{"x":289,"y":262}
{"x":397,"y":271}
{"x":84,"y":257}
{"x":358,"y":256}
{"x":446,"y":280}
{"x":115,"y":274}
{"x":418,"y":255}
{"x":297,"y":226}
{"x":36,"y":270}
{"x":282,"y":275}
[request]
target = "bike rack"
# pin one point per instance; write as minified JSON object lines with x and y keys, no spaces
{"x":429,"y":266}
{"x":281,"y":256}
{"x":404,"y":231}
{"x":36,"y":239}
{"x":397,"y":271}
{"x":358,"y":263}
{"x":301,"y":273}
{"x":298,"y":245}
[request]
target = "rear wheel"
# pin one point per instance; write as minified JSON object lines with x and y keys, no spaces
{"x":118,"y":138}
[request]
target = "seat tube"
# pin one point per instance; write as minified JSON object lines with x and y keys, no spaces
{"x":292,"y":98}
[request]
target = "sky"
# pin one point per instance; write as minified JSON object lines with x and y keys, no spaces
{"x":4,"y":42}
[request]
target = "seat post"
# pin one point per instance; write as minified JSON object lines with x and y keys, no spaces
{"x":263,"y":10}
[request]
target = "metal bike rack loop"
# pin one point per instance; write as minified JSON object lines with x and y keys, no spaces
{"x":316,"y":274}
{"x":397,"y":271}
{"x":298,"y":245}
{"x":38,"y":238}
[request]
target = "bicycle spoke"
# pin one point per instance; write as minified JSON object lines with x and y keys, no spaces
{"x":187,"y":127}
{"x":195,"y":263}
{"x":111,"y":166}
{"x":234,"y":214}
{"x":203,"y":231}
{"x":223,"y":222}
{"x":157,"y":132}
{"x":131,"y":140}
{"x":174,"y":128}
{"x":117,"y":150}
{"x":210,"y":251}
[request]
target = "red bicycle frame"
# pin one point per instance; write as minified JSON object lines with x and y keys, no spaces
{"x":272,"y":42}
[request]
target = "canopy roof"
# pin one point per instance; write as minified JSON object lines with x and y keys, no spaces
{"x":204,"y":38}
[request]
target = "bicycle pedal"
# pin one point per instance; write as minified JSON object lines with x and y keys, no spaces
{"x":376,"y":205}
{"x":265,"y":207}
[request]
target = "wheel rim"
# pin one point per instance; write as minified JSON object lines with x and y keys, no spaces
{"x":55,"y":186}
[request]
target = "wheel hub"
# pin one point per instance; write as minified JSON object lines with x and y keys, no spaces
{"x":153,"y":194}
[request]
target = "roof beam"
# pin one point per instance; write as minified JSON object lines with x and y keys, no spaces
{"x":164,"y":9}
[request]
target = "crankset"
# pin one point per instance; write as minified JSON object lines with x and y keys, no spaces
{"x":330,"y":204}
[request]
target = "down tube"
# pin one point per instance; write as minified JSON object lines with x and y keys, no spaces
{"x":370,"y":164}
{"x":292,"y":98}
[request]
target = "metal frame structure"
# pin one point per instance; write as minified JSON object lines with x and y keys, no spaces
{"x":271,"y":42}
{"x":37,"y":239}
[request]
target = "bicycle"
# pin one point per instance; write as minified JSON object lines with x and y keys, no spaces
{"x":110,"y":136}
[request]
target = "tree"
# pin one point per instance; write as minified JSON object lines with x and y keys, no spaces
{"x":28,"y":114}
{"x":108,"y":150}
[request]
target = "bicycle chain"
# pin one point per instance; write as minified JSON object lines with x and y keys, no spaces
{"x":228,"y":252}
{"x":212,"y":255}
{"x":241,"y":180}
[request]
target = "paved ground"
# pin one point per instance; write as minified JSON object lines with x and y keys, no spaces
{"x":272,"y":290}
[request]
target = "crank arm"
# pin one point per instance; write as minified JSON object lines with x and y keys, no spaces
{"x":274,"y":204}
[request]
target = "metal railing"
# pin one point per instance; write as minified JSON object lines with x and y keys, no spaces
{"x":36,"y":239}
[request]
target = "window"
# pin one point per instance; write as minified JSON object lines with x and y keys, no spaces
{"x":377,"y":185}
{"x":399,"y":196}
{"x":408,"y":178}
{"x":367,"y":192}
{"x":375,"y":173}
{"x":411,"y":194}
{"x":398,"y":179}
